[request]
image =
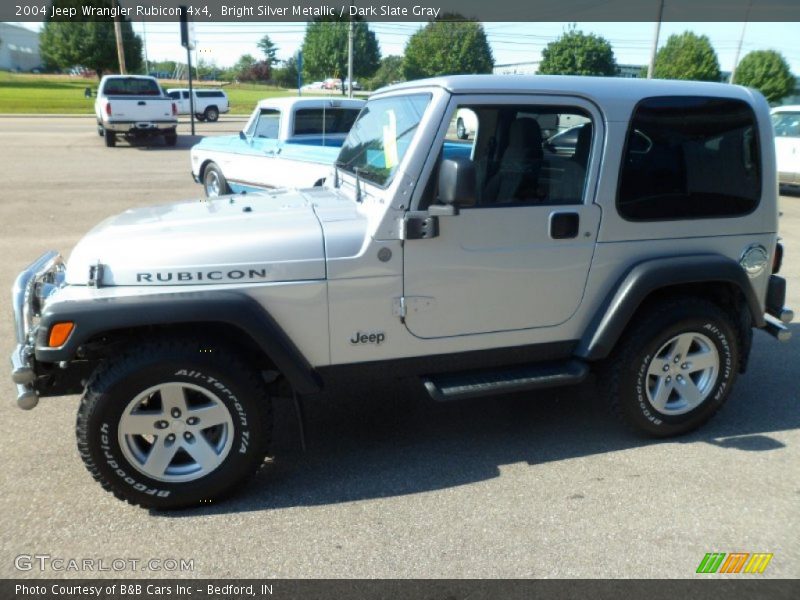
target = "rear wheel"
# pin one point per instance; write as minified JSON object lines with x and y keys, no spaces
{"x":200,"y":116}
{"x":111,"y":138}
{"x":174,"y":424}
{"x":100,"y":130}
{"x":674,"y":369}
{"x":214,"y":182}
{"x":171,"y":137}
{"x":212,"y":113}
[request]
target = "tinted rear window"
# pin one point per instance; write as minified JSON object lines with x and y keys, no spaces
{"x":314,"y":121}
{"x":130,"y":86}
{"x":690,"y":157}
{"x":210,"y":94}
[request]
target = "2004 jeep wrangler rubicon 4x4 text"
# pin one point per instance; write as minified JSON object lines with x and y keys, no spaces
{"x":645,"y":250}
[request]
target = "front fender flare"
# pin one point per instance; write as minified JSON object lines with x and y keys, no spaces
{"x":234,"y":309}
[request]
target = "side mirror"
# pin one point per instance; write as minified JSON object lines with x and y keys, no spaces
{"x":242,"y":135}
{"x":457,"y":182}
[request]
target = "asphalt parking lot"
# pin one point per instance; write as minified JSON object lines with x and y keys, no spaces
{"x":393,"y":485}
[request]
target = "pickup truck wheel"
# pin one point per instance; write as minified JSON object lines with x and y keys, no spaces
{"x":461,"y":130}
{"x":171,"y":137}
{"x":174,"y":424}
{"x":100,"y":130}
{"x":674,"y":369}
{"x":212,"y":114}
{"x":214,"y":182}
{"x":200,"y":116}
{"x":111,"y":138}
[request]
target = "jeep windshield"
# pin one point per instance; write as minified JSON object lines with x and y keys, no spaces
{"x":381,"y":136}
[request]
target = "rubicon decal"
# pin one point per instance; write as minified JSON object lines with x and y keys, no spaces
{"x":734,"y":562}
{"x":247,"y":274}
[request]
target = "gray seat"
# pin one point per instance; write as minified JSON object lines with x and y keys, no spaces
{"x":517,"y":178}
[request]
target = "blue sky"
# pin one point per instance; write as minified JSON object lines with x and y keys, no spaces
{"x":223,"y":43}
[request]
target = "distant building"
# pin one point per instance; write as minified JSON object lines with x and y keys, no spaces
{"x":19,"y":48}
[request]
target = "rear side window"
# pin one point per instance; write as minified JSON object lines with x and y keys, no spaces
{"x":314,"y":121}
{"x":690,"y":157}
{"x":210,"y":94}
{"x":786,"y":124}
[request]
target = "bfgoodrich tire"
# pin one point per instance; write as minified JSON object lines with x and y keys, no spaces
{"x":174,"y":424}
{"x":674,"y":368}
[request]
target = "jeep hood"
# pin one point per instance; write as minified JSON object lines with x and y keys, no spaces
{"x":234,"y":239}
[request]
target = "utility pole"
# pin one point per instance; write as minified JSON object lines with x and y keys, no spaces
{"x":187,"y":41}
{"x":652,"y":66}
{"x":144,"y":40}
{"x":741,"y":40}
{"x":120,"y":47}
{"x":350,"y":59}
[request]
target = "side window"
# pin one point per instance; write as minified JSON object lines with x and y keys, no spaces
{"x":786,"y":124}
{"x":314,"y":121}
{"x":267,"y":124}
{"x":523,"y":154}
{"x":690,"y":157}
{"x":174,"y":95}
{"x":185,"y":95}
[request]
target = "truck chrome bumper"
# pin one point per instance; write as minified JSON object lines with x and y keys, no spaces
{"x":37,"y":281}
{"x":140,"y":126}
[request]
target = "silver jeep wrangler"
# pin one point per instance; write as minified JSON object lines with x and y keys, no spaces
{"x":626,"y":227}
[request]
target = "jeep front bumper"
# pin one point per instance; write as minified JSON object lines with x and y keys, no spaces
{"x":30,"y":289}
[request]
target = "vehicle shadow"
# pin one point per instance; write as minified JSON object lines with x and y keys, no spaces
{"x":373,"y":442}
{"x":159,"y":143}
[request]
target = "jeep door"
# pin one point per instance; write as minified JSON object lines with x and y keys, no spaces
{"x":519,"y":257}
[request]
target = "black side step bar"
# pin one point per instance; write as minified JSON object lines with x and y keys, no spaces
{"x":458,"y":386}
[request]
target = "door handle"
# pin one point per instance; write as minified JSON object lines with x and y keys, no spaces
{"x":141,"y":103}
{"x":564,"y":225}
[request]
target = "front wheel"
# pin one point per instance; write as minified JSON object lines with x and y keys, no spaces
{"x":214,"y":182}
{"x":174,"y":424}
{"x":675,"y":367}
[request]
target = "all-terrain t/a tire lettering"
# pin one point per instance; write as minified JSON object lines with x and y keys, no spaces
{"x":173,"y":424}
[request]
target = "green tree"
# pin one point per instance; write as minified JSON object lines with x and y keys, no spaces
{"x":578,"y":53}
{"x":88,"y":41}
{"x":243,"y":65}
{"x":768,"y":72}
{"x":286,"y":75}
{"x":391,"y":70}
{"x":325,"y":50}
{"x":687,"y":56}
{"x":448,"y":46}
{"x":270,"y":50}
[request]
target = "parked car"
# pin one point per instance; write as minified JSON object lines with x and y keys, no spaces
{"x":208,"y":103}
{"x":786,"y":121}
{"x":316,"y":85}
{"x":474,"y":275}
{"x":288,"y":142}
{"x":356,"y":85}
{"x":332,"y":83}
{"x":134,"y":106}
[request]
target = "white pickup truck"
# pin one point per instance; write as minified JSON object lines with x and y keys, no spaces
{"x":208,"y":103}
{"x":287,"y":142}
{"x":134,"y":106}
